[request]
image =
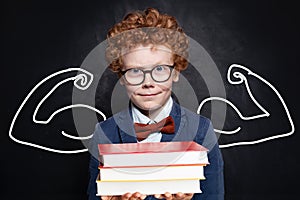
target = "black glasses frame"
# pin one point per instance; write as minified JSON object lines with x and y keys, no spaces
{"x":150,"y":72}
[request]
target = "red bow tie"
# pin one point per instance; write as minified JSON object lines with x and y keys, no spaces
{"x":164,"y":126}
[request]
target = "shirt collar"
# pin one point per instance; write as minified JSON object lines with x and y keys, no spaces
{"x":138,"y":117}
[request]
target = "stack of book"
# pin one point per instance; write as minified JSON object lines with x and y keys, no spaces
{"x":150,"y":168}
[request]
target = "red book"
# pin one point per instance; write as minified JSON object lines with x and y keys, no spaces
{"x":152,"y":154}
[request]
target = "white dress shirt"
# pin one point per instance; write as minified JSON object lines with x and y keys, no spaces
{"x":138,"y":117}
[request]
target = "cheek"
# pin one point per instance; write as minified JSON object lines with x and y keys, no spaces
{"x":165,"y":86}
{"x":131,"y":89}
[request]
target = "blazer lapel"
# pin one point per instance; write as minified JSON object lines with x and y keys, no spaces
{"x":125,"y":123}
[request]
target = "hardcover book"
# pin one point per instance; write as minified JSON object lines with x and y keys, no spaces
{"x":110,"y":188}
{"x":154,"y":153}
{"x":152,"y":172}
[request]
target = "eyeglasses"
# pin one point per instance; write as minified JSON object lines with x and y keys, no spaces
{"x":136,"y":76}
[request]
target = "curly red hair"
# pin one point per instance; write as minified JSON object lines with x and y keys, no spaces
{"x":148,"y":27}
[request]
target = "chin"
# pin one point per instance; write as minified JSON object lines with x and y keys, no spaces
{"x":150,"y":107}
{"x":153,"y":107}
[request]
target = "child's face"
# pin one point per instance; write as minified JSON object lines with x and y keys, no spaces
{"x":149,"y":95}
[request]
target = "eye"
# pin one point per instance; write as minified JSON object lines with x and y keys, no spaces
{"x":135,"y":71}
{"x":159,"y":68}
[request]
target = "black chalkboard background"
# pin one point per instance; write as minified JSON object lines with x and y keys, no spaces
{"x":39,"y":38}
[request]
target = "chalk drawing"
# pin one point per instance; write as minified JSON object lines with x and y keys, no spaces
{"x":242,"y":79}
{"x":81,"y":81}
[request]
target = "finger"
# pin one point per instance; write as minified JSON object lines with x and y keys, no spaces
{"x":135,"y":196}
{"x":106,"y":197}
{"x":185,"y":196}
{"x":189,"y":194}
{"x":168,"y":196}
{"x":179,"y":195}
{"x":158,"y":196}
{"x":126,"y":196}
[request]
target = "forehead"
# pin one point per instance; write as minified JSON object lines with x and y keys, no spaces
{"x":147,"y":56}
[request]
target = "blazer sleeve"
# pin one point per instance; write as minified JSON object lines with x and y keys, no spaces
{"x":93,"y":171}
{"x":213,"y":185}
{"x":98,"y":137}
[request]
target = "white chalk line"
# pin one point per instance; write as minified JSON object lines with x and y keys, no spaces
{"x":84,"y":84}
{"x":265,"y":113}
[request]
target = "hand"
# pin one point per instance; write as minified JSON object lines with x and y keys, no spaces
{"x":127,"y":196}
{"x":177,"y":196}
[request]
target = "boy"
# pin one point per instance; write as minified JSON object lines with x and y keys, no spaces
{"x":148,"y":50}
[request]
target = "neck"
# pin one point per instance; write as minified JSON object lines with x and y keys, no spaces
{"x":158,"y":113}
{"x":152,"y":114}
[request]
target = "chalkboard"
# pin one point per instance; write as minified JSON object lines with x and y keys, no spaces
{"x":253,"y":44}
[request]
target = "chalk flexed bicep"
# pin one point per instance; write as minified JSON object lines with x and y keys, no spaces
{"x":240,"y":75}
{"x":82,"y":80}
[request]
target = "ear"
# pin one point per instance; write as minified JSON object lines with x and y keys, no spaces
{"x":122,"y":81}
{"x":176,"y":76}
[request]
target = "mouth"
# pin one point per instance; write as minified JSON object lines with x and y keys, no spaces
{"x":149,"y":94}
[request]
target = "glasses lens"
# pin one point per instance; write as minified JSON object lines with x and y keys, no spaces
{"x":161,"y":73}
{"x":134,"y":76}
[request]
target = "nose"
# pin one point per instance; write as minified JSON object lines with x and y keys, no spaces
{"x":148,"y":82}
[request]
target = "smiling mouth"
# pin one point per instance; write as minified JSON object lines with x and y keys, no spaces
{"x":149,"y":95}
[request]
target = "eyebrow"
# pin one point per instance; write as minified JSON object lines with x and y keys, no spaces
{"x":145,"y":67}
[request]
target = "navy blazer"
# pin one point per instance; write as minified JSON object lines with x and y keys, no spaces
{"x":188,"y":127}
